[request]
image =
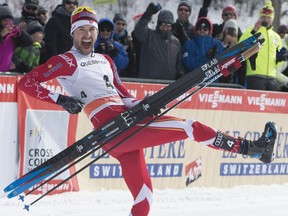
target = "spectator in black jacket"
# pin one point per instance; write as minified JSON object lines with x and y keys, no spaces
{"x":182,"y":28}
{"x":161,"y":53}
{"x":57,"y":30}
{"x":121,"y":36}
{"x":29,"y":12}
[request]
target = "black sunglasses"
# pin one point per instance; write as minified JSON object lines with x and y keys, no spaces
{"x":71,"y":2}
{"x":31,"y":8}
{"x":105,"y":29}
{"x":165,"y":24}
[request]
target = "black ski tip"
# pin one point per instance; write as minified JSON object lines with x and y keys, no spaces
{"x":21,"y":198}
{"x":257,"y":35}
{"x":26,"y":207}
{"x":261,"y":41}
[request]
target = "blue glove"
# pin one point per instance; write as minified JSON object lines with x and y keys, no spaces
{"x":152,"y":9}
{"x":281,"y":55}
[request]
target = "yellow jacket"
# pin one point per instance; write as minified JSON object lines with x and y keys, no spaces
{"x":266,"y":59}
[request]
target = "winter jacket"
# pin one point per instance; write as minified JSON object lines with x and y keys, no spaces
{"x":118,"y":54}
{"x":126,"y":41}
{"x":57,"y":34}
{"x":159,"y":58}
{"x":28,"y":57}
{"x":195,"y":50}
{"x":8,"y":44}
{"x":266,"y":59}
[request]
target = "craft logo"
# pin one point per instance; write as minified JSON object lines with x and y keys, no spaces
{"x":193,"y":171}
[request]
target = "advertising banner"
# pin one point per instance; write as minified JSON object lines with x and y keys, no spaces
{"x":240,"y":113}
{"x":8,"y":129}
{"x":45,"y":130}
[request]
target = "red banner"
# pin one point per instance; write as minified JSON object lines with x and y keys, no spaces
{"x":222,"y":98}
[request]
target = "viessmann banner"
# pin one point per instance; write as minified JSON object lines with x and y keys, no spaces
{"x":241,"y":113}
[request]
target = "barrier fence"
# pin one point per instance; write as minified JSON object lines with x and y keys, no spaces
{"x":39,"y":130}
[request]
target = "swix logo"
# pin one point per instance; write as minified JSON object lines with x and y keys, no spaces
{"x":193,"y":171}
{"x":68,"y":60}
{"x":229,"y":63}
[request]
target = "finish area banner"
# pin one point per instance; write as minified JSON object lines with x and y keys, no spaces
{"x":45,"y":130}
{"x":238,"y":112}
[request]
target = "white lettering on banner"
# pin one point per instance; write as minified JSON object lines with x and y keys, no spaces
{"x":133,"y":92}
{"x":7,"y":88}
{"x":217,"y":98}
{"x":264,"y":101}
{"x":240,"y":169}
{"x":49,"y":186}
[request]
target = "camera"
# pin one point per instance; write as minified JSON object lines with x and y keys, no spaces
{"x":231,"y":31}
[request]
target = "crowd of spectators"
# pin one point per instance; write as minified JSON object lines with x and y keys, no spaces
{"x":175,"y":47}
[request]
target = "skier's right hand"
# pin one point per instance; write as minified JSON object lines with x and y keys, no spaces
{"x":70,"y":104}
{"x":152,"y":9}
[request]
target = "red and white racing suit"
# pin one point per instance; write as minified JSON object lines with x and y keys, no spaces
{"x":93,"y":79}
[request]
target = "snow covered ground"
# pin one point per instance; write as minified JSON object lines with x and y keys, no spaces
{"x":236,"y":201}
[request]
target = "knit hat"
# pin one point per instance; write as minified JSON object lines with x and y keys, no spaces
{"x":34,"y":3}
{"x":185,"y":3}
{"x":165,"y":16}
{"x":65,"y":1}
{"x":105,"y":23}
{"x":42,"y":10}
{"x":282,"y":29}
{"x":229,"y":9}
{"x":34,"y":27}
{"x":231,"y":23}
{"x":267,"y":10}
{"x":6,"y":12}
{"x":119,"y":16}
{"x":81,"y":16}
{"x":204,"y":22}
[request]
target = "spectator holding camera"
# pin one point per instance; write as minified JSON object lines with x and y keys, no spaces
{"x":229,"y":38}
{"x":261,"y":71}
{"x":106,"y":45}
{"x":202,"y":47}
{"x":161,"y":53}
{"x":10,"y":38}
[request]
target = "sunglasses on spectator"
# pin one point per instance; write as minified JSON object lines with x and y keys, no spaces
{"x":229,"y":14}
{"x":42,"y":13}
{"x":202,"y":29}
{"x":184,"y":9}
{"x":71,"y":2}
{"x":33,"y":8}
{"x":165,"y":24}
{"x":266,"y":11}
{"x":105,"y":30}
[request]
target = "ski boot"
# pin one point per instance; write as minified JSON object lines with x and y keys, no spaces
{"x":264,"y":146}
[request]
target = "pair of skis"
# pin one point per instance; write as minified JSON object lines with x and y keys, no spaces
{"x":223,"y":64}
